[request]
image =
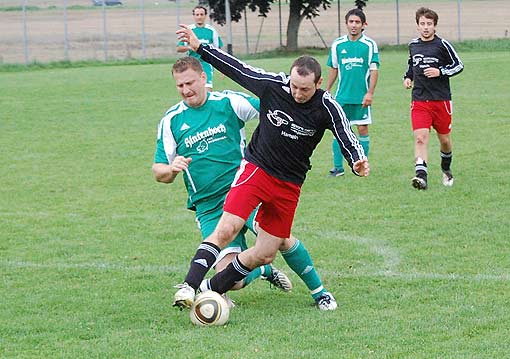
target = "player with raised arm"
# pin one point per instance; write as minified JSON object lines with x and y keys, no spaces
{"x":432,"y":61}
{"x":203,"y":137}
{"x":294,"y":114}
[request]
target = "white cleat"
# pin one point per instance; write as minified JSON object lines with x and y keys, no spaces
{"x":447,"y":179}
{"x":419,"y":183}
{"x":278,"y":279}
{"x":184,"y":297}
{"x":326,"y":301}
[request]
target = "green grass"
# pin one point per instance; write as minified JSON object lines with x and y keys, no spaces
{"x":90,"y":244}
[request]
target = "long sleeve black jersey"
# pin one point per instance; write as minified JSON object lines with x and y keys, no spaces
{"x":288,"y":132}
{"x":437,"y":53}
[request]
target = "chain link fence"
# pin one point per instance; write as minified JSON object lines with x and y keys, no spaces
{"x":74,"y":30}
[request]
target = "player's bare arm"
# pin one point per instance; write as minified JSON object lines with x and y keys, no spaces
{"x":166,"y":173}
{"x":369,"y":96}
{"x":332,"y":76}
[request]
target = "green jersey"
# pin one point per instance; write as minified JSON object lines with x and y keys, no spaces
{"x":353,"y":60}
{"x":213,"y":136}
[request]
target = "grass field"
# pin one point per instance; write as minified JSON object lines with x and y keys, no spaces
{"x":90,"y":244}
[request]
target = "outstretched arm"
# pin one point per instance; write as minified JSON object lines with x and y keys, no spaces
{"x":251,"y":78}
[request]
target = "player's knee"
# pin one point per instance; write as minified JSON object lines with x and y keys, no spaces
{"x":225,"y":233}
{"x":265,"y":258}
{"x":421,"y":140}
{"x":287,"y":243}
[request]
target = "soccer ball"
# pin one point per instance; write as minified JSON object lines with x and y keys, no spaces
{"x":209,"y":308}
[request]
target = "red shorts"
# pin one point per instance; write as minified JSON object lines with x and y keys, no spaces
{"x":436,"y":114}
{"x":278,"y":199}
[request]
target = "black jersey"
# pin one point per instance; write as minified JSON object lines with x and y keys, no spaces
{"x":288,"y":132}
{"x":437,"y":53}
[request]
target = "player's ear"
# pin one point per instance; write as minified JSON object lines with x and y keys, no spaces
{"x":319,"y":83}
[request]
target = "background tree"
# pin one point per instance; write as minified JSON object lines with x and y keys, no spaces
{"x":298,"y":10}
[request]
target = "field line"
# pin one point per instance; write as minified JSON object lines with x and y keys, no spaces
{"x":390,"y":255}
{"x":103,"y":266}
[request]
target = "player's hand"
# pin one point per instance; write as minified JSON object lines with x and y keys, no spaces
{"x":180,"y":164}
{"x":361,"y":167}
{"x":185,"y":34}
{"x":367,"y":100}
{"x":431,"y":72}
{"x":408,"y":83}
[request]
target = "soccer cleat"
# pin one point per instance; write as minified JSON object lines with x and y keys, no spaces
{"x":278,"y":279}
{"x":447,"y":178}
{"x":419,"y":183}
{"x":335,"y":172}
{"x":184,"y":297}
{"x":326,"y":301}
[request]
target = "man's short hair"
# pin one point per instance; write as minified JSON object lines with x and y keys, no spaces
{"x":199,"y":7}
{"x":306,"y":65}
{"x":356,"y":12}
{"x":428,"y":14}
{"x":185,"y":63}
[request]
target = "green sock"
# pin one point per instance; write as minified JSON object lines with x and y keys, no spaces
{"x":257,"y":272}
{"x":338,"y":158}
{"x":299,"y":260}
{"x":365,"y":143}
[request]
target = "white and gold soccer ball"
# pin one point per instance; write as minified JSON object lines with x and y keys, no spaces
{"x":209,"y":308}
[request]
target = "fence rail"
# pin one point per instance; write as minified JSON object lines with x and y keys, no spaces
{"x":73,"y":30}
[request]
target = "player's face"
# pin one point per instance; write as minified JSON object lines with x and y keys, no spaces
{"x":303,"y":88}
{"x":354,"y":26}
{"x":199,"y":16}
{"x":191,"y":86}
{"x":426,"y":28}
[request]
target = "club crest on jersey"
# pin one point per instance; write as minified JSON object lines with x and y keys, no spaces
{"x":202,"y":146}
{"x":278,"y":118}
{"x":281,"y":119}
{"x":424,"y":61}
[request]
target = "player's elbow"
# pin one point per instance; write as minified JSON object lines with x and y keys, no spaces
{"x":160,"y":175}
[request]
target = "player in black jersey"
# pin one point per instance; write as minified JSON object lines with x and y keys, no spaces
{"x":294,"y":113}
{"x":432,"y":61}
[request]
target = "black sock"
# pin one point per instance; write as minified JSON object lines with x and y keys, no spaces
{"x":201,"y":263}
{"x":446,"y":161}
{"x":227,"y":278}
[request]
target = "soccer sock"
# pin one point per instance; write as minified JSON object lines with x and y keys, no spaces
{"x":299,"y":260}
{"x":365,"y":143}
{"x":225,"y":280}
{"x":338,"y":158}
{"x":421,"y":168}
{"x":257,"y":272}
{"x":446,"y":160}
{"x":201,"y":263}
